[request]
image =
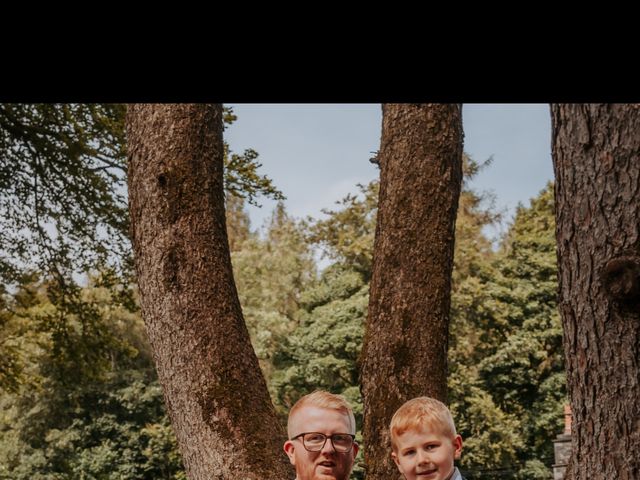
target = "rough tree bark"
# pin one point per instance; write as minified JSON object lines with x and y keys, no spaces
{"x":215,"y":393}
{"x":406,"y":339}
{"x":596,"y":156}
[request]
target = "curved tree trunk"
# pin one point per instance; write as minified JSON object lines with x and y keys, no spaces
{"x":406,"y":339}
{"x":596,"y":155}
{"x":215,"y":393}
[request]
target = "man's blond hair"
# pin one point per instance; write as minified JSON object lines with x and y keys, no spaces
{"x":421,"y":413}
{"x":322,"y":399}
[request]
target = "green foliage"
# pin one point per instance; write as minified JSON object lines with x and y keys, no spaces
{"x":62,"y":179}
{"x":507,"y":343}
{"x":270,"y":275}
{"x":534,"y":470}
{"x":346,"y":236}
{"x":472,"y":248}
{"x":117,"y":430}
{"x":323,"y":351}
{"x":241,"y":177}
{"x":73,"y":419}
{"x":491,"y":437}
{"x":11,"y":359}
{"x":238,"y":222}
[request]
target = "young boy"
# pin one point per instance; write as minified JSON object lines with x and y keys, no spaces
{"x":424,"y":440}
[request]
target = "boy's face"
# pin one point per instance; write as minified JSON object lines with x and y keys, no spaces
{"x":426,"y":454}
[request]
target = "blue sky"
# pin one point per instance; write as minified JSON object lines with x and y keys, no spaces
{"x":316,"y":154}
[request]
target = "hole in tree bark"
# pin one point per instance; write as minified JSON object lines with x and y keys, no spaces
{"x":621,"y":279}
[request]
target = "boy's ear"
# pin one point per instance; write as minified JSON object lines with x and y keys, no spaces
{"x":395,"y":458}
{"x":457,"y":445}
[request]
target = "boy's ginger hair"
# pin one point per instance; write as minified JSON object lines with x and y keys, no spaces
{"x":420,"y":413}
{"x":322,"y":399}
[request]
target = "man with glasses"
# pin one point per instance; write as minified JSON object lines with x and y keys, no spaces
{"x":321,"y":431}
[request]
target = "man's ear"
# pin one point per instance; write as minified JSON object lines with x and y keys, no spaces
{"x":289,"y":448}
{"x":355,"y":449}
{"x":457,"y":445}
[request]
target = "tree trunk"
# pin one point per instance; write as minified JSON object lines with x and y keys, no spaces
{"x":215,"y":393}
{"x":597,"y":168}
{"x":406,"y":339}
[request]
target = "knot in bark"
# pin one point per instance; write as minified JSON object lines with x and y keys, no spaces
{"x":621,"y":279}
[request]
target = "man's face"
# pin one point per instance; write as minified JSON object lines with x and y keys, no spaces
{"x":426,"y":454}
{"x":326,"y":464}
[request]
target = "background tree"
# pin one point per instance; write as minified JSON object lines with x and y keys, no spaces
{"x":406,"y":340}
{"x":271,"y":272}
{"x":507,"y":371}
{"x":215,"y":393}
{"x":346,"y":236}
{"x":238,"y":222}
{"x":68,"y":419}
{"x":595,"y":155}
{"x":62,"y":199}
{"x":62,"y":208}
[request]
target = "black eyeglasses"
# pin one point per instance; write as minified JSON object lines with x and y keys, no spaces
{"x":314,"y":441}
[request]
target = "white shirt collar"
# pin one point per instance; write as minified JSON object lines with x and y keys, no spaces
{"x":456,"y":474}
